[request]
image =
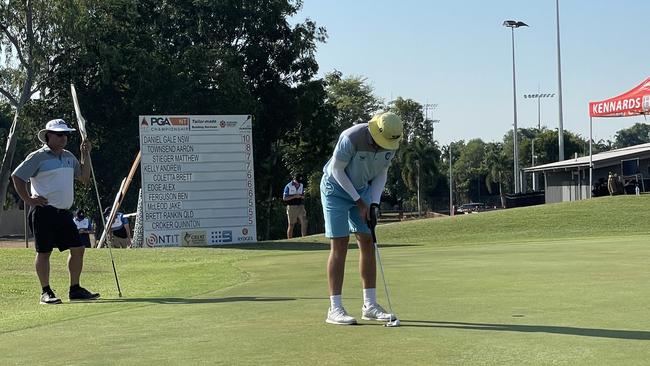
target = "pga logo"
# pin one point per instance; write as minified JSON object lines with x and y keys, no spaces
{"x":159,"y":121}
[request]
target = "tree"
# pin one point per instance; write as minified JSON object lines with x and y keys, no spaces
{"x":468,"y":168}
{"x":635,"y":135}
{"x":419,"y":167}
{"x":302,"y":148}
{"x":412,"y":115}
{"x":189,"y":57}
{"x":546,"y":147}
{"x":415,"y":169}
{"x":32,"y":44}
{"x":494,"y":165}
{"x":456,"y":149}
{"x":353,"y":99}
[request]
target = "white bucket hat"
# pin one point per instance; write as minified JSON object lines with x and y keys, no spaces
{"x":386,"y":129}
{"x":55,"y":125}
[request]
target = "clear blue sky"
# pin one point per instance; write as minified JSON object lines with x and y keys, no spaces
{"x":458,"y":55}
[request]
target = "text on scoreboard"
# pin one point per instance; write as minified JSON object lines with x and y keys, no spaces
{"x":198,"y":184}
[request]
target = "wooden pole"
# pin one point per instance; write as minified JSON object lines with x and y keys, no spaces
{"x":124,"y":187}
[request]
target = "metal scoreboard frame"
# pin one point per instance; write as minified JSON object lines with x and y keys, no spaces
{"x":198,"y":185}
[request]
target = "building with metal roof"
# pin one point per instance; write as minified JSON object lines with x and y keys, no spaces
{"x":568,"y":180}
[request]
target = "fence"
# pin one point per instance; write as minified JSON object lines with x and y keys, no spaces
{"x":13,"y":222}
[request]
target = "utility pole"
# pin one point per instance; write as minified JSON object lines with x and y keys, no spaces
{"x":417,"y":163}
{"x":560,"y":131}
{"x":451,"y":187}
{"x":532,"y":151}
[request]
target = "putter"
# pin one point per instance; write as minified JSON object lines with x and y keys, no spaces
{"x":372,"y":223}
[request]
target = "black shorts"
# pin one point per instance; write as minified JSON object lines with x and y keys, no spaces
{"x":53,"y":228}
{"x":85,"y":239}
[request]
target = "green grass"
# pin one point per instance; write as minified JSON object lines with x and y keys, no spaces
{"x":598,"y":217}
{"x":562,"y":284}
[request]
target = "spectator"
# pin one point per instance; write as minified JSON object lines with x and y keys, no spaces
{"x":120,"y":232}
{"x":85,"y":227}
{"x":293,"y":196}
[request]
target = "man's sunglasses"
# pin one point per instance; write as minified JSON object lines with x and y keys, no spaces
{"x":61,"y":134}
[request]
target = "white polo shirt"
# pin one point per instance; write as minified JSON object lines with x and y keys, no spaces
{"x":51,"y":176}
{"x":365,"y":161}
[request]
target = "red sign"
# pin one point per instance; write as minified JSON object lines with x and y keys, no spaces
{"x":632,"y":103}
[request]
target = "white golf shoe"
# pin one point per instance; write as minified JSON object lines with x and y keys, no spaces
{"x":339,"y":316}
{"x":376,"y":312}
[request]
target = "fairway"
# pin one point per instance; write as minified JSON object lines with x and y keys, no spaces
{"x":580,"y":301}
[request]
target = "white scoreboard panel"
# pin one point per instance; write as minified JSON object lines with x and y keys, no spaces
{"x":198,"y":186}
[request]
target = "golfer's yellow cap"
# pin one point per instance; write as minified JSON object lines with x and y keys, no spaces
{"x":387,"y":130}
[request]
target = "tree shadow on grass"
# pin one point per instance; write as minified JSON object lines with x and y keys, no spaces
{"x":296,"y":246}
{"x":183,"y":300}
{"x":584,"y":332}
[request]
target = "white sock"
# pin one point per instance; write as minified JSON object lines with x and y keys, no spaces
{"x":369,"y":296}
{"x":336,"y":302}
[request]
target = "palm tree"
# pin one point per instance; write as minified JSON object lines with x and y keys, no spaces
{"x":419,"y":165}
{"x":495,"y":166}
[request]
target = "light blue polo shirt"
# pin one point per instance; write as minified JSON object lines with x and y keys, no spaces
{"x":365,"y":160}
{"x":51,"y":176}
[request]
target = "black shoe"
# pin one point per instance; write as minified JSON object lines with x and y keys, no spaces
{"x":49,"y":298}
{"x":82,"y":294}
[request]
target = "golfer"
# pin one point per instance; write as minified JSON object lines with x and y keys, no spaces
{"x":353,"y":179}
{"x":51,"y":171}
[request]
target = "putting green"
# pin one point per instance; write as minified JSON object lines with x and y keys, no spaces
{"x":566,"y":302}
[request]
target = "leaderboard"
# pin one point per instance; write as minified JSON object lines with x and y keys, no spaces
{"x":198,"y":185}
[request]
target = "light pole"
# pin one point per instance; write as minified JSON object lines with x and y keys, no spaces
{"x":538,"y":96}
{"x":512,"y":24}
{"x":533,"y":157}
{"x":451,"y":187}
{"x":417,"y":164}
{"x":426,"y":108}
{"x":560,"y":131}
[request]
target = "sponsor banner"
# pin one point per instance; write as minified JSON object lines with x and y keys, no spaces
{"x":217,"y":236}
{"x":631,"y":103}
{"x":193,"y":238}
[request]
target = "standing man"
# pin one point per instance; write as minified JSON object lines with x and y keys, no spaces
{"x":293,"y":196}
{"x":51,"y":171}
{"x":353,"y":180}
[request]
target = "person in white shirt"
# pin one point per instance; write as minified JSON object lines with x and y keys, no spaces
{"x":120,"y":234}
{"x":294,"y":196}
{"x":51,"y":170}
{"x":85,"y":227}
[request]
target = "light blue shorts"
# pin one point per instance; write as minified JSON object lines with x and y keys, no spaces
{"x":340,"y":211}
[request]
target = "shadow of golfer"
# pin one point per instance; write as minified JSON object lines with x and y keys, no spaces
{"x":182,"y":300}
{"x":584,"y":332}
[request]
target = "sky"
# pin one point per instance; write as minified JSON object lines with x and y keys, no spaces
{"x":458,"y":55}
